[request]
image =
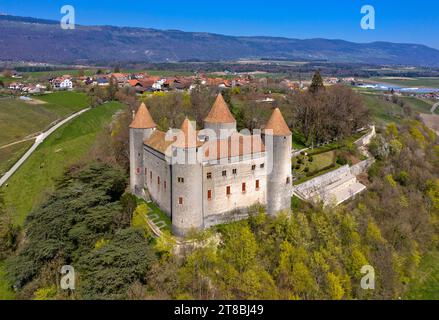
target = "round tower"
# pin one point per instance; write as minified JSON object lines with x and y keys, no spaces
{"x":278,"y":140}
{"x":187,"y":182}
{"x":220,"y":119}
{"x":141,"y":129}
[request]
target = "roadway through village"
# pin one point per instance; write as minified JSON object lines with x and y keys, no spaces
{"x":39,"y":139}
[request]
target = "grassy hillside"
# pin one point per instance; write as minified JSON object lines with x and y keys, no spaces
{"x":35,"y":179}
{"x":10,"y":155}
{"x":418,"y":105}
{"x":5,"y":291}
{"x":19,"y":119}
{"x":426,"y":285}
{"x":382,"y":111}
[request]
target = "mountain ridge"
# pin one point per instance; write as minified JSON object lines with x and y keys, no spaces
{"x":42,"y":40}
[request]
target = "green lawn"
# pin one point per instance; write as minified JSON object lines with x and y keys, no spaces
{"x":425,"y":286}
{"x":31,"y":184}
{"x":5,"y":290}
{"x":316,"y":167}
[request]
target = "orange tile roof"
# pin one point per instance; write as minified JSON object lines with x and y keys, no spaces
{"x":277,"y":124}
{"x":220,"y":112}
{"x":158,"y":142}
{"x":143,"y":119}
{"x":133,"y":82}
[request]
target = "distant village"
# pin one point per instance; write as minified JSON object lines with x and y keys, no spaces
{"x":144,"y":83}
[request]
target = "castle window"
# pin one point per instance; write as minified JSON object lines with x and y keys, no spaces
{"x":209,"y":194}
{"x":253,"y":167}
{"x":180,"y":180}
{"x":138,"y":170}
{"x":158,"y":180}
{"x":243,"y":187}
{"x":288,"y":180}
{"x":228,"y":191}
{"x":224,"y":173}
{"x":146,"y":171}
{"x":150,"y":175}
{"x":209,"y":175}
{"x":262,"y":166}
{"x":235,"y":171}
{"x":257,"y":184}
{"x":180,"y":200}
{"x":164,"y":185}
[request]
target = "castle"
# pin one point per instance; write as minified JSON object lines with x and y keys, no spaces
{"x":202,"y":178}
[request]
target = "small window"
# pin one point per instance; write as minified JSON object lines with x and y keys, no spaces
{"x":138,"y":170}
{"x":288,"y":180}
{"x":262,"y":166}
{"x":235,"y":171}
{"x":228,"y":191}
{"x":257,"y":184}
{"x":243,"y":187}
{"x":180,"y":180}
{"x":224,"y":173}
{"x":253,"y":167}
{"x":150,"y":175}
{"x":209,"y":175}
{"x":146,"y":171}
{"x":180,"y":200}
{"x":158,"y":180}
{"x":209,"y":194}
{"x":164,"y":185}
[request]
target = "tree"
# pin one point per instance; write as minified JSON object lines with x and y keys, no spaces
{"x":317,"y":83}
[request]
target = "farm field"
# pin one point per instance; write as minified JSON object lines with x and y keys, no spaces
{"x":36,"y":178}
{"x":410,"y":82}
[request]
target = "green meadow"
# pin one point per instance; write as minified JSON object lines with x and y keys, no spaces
{"x":35,"y":180}
{"x":425,"y":286}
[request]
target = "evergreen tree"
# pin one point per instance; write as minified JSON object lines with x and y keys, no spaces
{"x":317,"y":83}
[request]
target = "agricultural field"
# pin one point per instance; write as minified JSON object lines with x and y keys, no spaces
{"x":36,"y":178}
{"x":432,"y":82}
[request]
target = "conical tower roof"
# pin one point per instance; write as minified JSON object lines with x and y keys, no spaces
{"x":220,"y":112}
{"x":143,"y":119}
{"x":188,"y":137}
{"x":277,"y":124}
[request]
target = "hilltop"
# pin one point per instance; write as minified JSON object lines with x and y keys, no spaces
{"x":32,"y":39}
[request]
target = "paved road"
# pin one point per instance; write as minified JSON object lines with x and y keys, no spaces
{"x":37,"y":142}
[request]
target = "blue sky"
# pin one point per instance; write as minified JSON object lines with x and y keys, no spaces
{"x":396,"y":20}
